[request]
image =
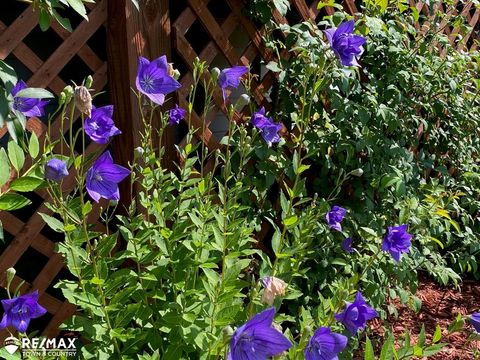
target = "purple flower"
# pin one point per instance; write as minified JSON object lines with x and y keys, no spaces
{"x":397,"y":241}
{"x":356,"y":314}
{"x":103,"y":178}
{"x":268,"y":129}
{"x":27,"y":106}
{"x":20,"y":310}
{"x":55,"y":169}
{"x":475,"y":320}
{"x":153,"y":79}
{"x":100,"y":127}
{"x":230,"y":77}
{"x":347,"y":245}
{"x":325,"y":345}
{"x":258,"y":339}
{"x":347,"y":46}
{"x":176,"y":114}
{"x":335,"y":216}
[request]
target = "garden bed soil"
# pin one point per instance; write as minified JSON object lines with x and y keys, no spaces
{"x":440,"y":306}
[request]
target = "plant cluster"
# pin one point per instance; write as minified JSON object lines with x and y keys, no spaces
{"x":361,"y":175}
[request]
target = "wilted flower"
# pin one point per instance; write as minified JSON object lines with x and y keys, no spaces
{"x":100,"y":126}
{"x":356,"y":314}
{"x":83,"y":100}
{"x":55,"y":169}
{"x":268,"y":129}
{"x":347,"y":245}
{"x":325,"y":345}
{"x":230,"y":77}
{"x":273,"y":287}
{"x":475,"y":320}
{"x":153,"y":79}
{"x":335,"y":216}
{"x":257,"y":339}
{"x":20,"y":310}
{"x":176,"y":114}
{"x":345,"y":44}
{"x":27,"y":106}
{"x":397,"y":241}
{"x":103,"y":178}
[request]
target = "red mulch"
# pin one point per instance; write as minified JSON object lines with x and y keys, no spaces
{"x":440,"y":306}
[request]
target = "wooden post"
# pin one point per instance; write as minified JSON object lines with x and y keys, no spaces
{"x":132,"y":33}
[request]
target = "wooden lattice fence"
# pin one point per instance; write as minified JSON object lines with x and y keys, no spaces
{"x":216,"y":31}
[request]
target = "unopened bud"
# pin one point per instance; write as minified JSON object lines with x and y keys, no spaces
{"x":89,"y":81}
{"x":68,"y":91}
{"x":227,"y":332}
{"x":357,"y":172}
{"x":62,"y":98}
{"x":83,"y":100}
{"x":215,"y":73}
{"x":10,"y":274}
{"x":242,"y":101}
{"x":139,"y":151}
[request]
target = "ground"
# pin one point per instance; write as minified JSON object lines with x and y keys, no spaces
{"x":440,"y":305}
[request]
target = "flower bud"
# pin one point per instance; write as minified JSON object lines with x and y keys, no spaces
{"x":10,"y":274}
{"x":273,"y":287}
{"x":68,"y":91}
{"x":62,"y":98}
{"x":227,"y":332}
{"x":215,"y":73}
{"x":357,"y":172}
{"x":242,"y":101}
{"x":139,"y":151}
{"x":89,"y":81}
{"x":55,"y":169}
{"x":83,"y":100}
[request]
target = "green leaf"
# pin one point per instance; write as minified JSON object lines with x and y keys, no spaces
{"x":282,"y":6}
{"x":44,"y":20}
{"x":16,"y":155}
{"x":7,"y":75}
{"x":421,"y":337}
{"x":4,"y":167}
{"x":36,"y":93}
{"x":33,"y":146}
{"x":369,"y":353}
{"x":62,"y":21}
{"x":290,"y":221}
{"x":78,"y":6}
{"x":387,"y":349}
{"x":26,"y":183}
{"x":437,"y":336}
{"x":10,"y":202}
{"x":55,"y":225}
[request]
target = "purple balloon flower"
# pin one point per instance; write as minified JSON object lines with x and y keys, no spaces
{"x":103,"y":178}
{"x":347,"y":245}
{"x":325,"y":345}
{"x":230,"y":77}
{"x":268,"y":129}
{"x":176,"y":114}
{"x":55,"y":169}
{"x":335,"y":216}
{"x":347,"y":46}
{"x":258,"y":339}
{"x":396,"y":241}
{"x":475,"y":320}
{"x":20,"y":310}
{"x":100,"y":126}
{"x":356,"y":314}
{"x":153,"y":79}
{"x":27,"y":106}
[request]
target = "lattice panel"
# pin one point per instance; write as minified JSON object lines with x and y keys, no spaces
{"x":30,"y":243}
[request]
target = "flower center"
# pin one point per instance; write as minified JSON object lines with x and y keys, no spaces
{"x":20,"y":309}
{"x":98,"y":177}
{"x":147,"y":82}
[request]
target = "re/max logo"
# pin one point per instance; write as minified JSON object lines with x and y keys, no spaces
{"x":36,"y":343}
